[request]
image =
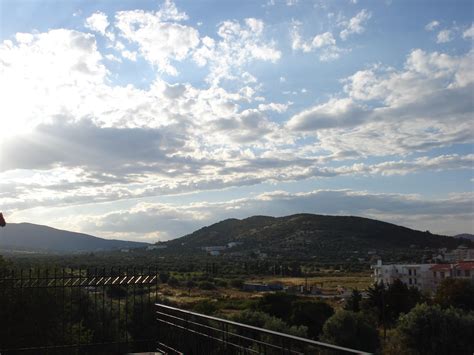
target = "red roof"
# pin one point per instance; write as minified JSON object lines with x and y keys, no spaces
{"x":465,"y":265}
{"x":441,"y":267}
{"x":462,"y":265}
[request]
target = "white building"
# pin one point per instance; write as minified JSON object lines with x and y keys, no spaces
{"x":416,"y":275}
{"x":425,"y":277}
{"x":461,"y":253}
{"x":215,"y":248}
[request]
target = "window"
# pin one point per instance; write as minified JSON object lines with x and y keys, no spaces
{"x":434,"y":274}
{"x":409,"y":281}
{"x":442,"y":274}
{"x":459,"y":272}
{"x":467,"y":273}
{"x":415,"y":281}
{"x":409,"y":272}
{"x":414,"y":272}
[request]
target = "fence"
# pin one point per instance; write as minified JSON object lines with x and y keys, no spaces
{"x":78,"y":311}
{"x":185,"y":332}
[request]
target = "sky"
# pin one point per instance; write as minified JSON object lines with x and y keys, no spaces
{"x":145,"y":120}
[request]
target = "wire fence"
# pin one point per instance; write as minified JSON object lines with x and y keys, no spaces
{"x":185,"y":332}
{"x":78,"y":311}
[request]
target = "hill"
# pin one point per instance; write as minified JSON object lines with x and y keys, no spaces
{"x":37,"y":238}
{"x":313,"y":236}
{"x":465,"y":236}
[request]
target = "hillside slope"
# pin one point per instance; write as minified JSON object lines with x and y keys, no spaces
{"x":308,"y":235}
{"x":38,"y":238}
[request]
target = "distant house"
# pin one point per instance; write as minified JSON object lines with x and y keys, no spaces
{"x":125,"y":250}
{"x":233,"y":244}
{"x":262,"y":287}
{"x":425,"y":277}
{"x":215,"y":253}
{"x":156,"y":247}
{"x":416,"y":275}
{"x":214,"y":248}
{"x":460,"y":270}
{"x":461,"y":253}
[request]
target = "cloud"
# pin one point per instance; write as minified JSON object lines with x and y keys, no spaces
{"x":425,"y":105}
{"x":97,"y":22}
{"x":324,"y":44}
{"x":469,"y":33}
{"x":161,"y":221}
{"x":432,"y":25}
{"x":444,"y":36}
{"x":239,"y":44}
{"x":334,"y":113}
{"x":160,"y":37}
{"x":41,"y":73}
{"x":355,"y":25}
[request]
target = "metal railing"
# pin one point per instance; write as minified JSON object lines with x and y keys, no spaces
{"x":185,"y":332}
{"x":78,"y":311}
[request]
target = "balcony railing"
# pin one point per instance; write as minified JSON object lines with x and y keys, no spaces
{"x":186,"y":332}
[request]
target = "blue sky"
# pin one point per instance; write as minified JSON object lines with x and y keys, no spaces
{"x":148,"y":119}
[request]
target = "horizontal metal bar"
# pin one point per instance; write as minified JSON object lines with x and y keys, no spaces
{"x":76,"y":281}
{"x":253,"y":340}
{"x":208,"y":336}
{"x":261,"y":330}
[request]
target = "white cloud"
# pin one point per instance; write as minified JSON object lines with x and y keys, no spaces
{"x":432,"y":25}
{"x":469,"y":33}
{"x":48,"y":71}
{"x":162,"y":221}
{"x":324,"y":43}
{"x":334,"y":113}
{"x":238,"y":45}
{"x":427,"y":104}
{"x":97,"y":22}
{"x":159,"y":36}
{"x":355,"y":25}
{"x":444,"y":36}
{"x":129,"y":55}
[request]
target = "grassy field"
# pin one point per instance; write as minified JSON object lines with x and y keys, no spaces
{"x":326,"y":282}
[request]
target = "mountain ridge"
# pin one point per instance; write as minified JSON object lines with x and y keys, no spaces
{"x":40,"y":238}
{"x":309,"y":235}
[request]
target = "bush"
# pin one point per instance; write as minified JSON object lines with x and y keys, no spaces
{"x":164,"y":277}
{"x":263,"y":320}
{"x":277,"y":304}
{"x":221,"y":283}
{"x":311,"y":314}
{"x":351,"y":330}
{"x":237,"y":283}
{"x":206,"y":285}
{"x":457,"y":293}
{"x":205,"y":307}
{"x":435,"y":331}
{"x":173,"y":281}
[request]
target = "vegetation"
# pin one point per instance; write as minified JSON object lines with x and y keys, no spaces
{"x":352,"y":330}
{"x":435,"y":331}
{"x":457,"y":293}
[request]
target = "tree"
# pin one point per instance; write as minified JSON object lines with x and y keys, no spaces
{"x":277,"y":304}
{"x":164,"y":277}
{"x":352,"y":330}
{"x":392,"y":300}
{"x":263,"y":320}
{"x":457,"y":293}
{"x":312,"y":315}
{"x":432,"y":330}
{"x":353,"y":302}
{"x":173,"y":281}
